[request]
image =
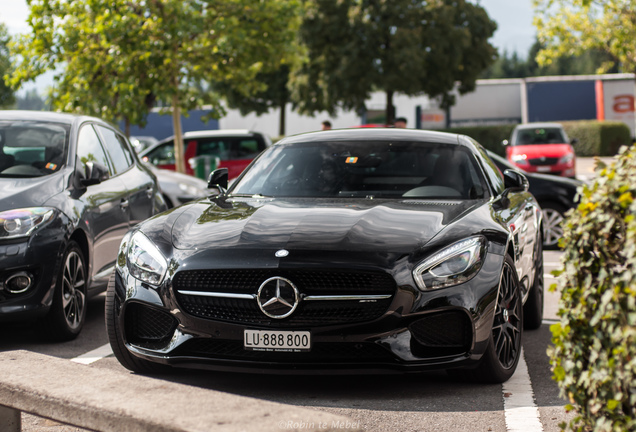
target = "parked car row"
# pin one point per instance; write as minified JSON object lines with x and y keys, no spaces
{"x":360,"y":249}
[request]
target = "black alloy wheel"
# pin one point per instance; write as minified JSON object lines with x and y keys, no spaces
{"x":502,"y":354}
{"x":68,"y":310}
{"x":508,"y":325}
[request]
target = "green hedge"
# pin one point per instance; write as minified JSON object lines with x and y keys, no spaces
{"x":598,"y":138}
{"x":594,"y":352}
{"x":595,"y":138}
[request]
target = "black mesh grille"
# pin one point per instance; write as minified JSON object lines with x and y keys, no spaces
{"x":147,"y":326}
{"x":308,"y":282}
{"x":309,"y":313}
{"x":224,"y":349}
{"x":445,"y":333}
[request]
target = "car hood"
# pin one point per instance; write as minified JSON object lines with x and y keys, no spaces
{"x":542,"y":150}
{"x":28,"y":192}
{"x":314,"y":225}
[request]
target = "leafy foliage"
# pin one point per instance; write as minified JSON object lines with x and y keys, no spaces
{"x":120,"y":56}
{"x":570,"y":27}
{"x":355,"y":47}
{"x":585,"y":63}
{"x":6,"y":94}
{"x":594,"y":352}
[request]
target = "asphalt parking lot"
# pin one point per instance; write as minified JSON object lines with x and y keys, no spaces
{"x":427,"y":402}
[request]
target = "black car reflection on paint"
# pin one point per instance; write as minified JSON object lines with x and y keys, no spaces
{"x":556,"y":195}
{"x":71,"y":187}
{"x":356,"y":250}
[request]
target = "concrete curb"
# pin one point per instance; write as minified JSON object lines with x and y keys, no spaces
{"x":105,"y":400}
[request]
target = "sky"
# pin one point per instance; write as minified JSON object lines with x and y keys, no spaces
{"x":515,"y":32}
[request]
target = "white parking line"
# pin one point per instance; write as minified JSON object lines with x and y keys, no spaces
{"x":93,"y":356}
{"x":521,"y":413}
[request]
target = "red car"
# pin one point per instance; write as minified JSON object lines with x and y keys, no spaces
{"x":231,"y":149}
{"x":541,"y":148}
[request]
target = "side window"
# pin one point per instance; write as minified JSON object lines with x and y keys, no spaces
{"x":162,"y":155}
{"x":89,"y":148}
{"x":213,"y":147}
{"x":490,"y":169}
{"x":245,"y":148}
{"x":121,"y":159}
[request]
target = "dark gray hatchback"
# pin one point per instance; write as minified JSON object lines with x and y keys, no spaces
{"x":70,"y":188}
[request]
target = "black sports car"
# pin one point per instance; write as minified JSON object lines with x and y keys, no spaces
{"x":555,"y":194}
{"x":70,"y":189}
{"x":357,"y":250}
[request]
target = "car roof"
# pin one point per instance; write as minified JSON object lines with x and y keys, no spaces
{"x":383,"y":134}
{"x":539,"y":125}
{"x":45,"y":116}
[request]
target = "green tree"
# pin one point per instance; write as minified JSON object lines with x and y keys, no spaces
{"x":120,"y":56}
{"x":412,"y":47}
{"x":274,"y":94}
{"x":31,"y":101}
{"x":6,"y":93}
{"x":585,"y":63}
{"x":571,"y":27}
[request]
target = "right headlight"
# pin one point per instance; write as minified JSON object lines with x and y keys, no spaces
{"x":455,"y":264}
{"x":143,"y":259}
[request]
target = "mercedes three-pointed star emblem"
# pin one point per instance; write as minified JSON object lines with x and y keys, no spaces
{"x":277,"y":297}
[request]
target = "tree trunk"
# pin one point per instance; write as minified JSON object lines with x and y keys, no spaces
{"x":390,"y":110}
{"x":281,"y":120}
{"x":178,"y":135}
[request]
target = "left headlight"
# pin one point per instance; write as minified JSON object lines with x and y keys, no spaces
{"x":144,"y":261}
{"x":21,"y":222}
{"x":455,"y":264}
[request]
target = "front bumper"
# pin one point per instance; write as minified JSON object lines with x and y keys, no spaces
{"x":37,"y":257}
{"x":414,"y":331}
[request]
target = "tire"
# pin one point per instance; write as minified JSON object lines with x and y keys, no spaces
{"x":127,"y":360}
{"x":500,"y":360}
{"x":553,"y":215}
{"x":65,"y":319}
{"x":533,"y":309}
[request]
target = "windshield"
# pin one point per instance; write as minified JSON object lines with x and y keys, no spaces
{"x":32,"y":148}
{"x":364,"y":169}
{"x":548,"y":135}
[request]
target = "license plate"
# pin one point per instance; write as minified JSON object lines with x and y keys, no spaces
{"x":277,"y":340}
{"x":544,"y":168}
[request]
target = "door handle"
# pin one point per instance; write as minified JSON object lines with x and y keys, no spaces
{"x":123,"y":204}
{"x":149,"y":192}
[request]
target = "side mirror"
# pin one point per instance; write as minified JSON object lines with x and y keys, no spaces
{"x":574,"y":141}
{"x":515,"y":181}
{"x":218,"y":179}
{"x":95,"y":173}
{"x":505,"y":143}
